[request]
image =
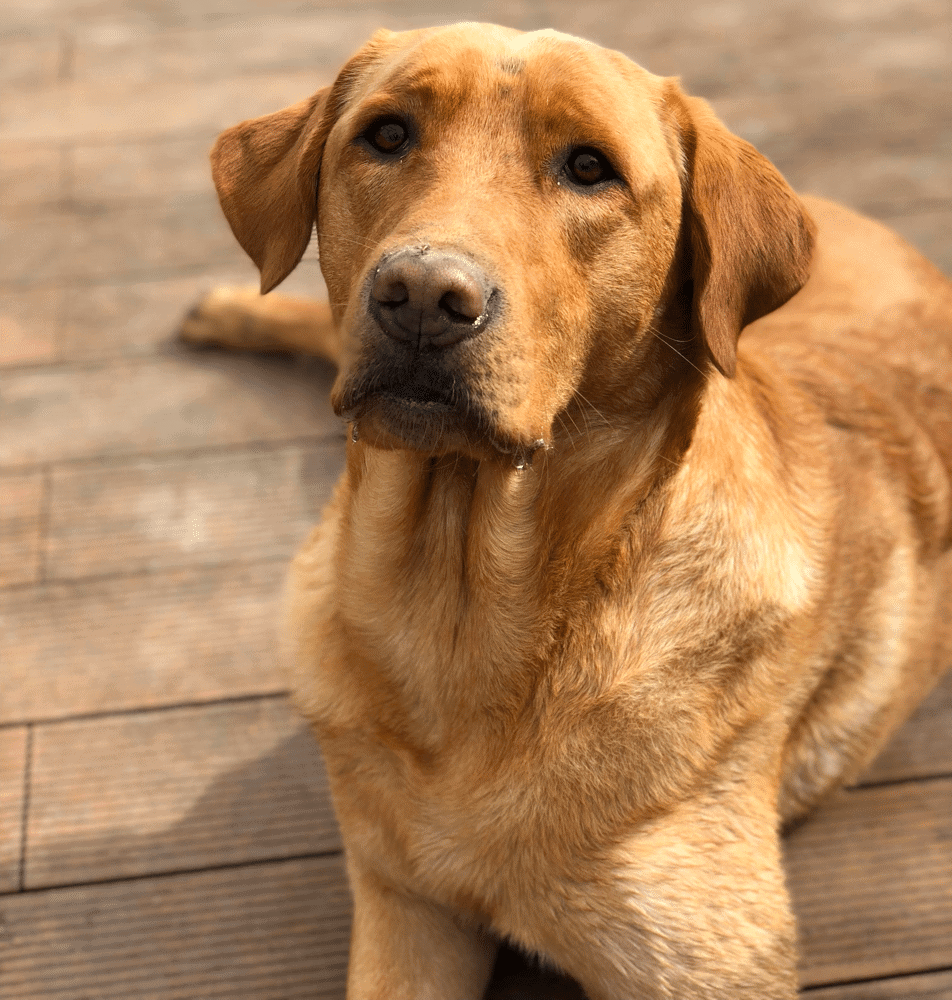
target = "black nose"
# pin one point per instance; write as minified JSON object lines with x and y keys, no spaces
{"x":432,"y":298}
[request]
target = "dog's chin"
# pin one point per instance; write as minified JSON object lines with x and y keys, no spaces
{"x":435,"y":427}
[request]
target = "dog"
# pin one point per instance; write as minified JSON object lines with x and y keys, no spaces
{"x":604,"y":598}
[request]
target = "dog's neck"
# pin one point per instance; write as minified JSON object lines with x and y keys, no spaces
{"x":471,"y":572}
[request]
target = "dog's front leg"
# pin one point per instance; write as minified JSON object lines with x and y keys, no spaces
{"x":404,"y":947}
{"x":243,"y":319}
{"x":692,"y":906}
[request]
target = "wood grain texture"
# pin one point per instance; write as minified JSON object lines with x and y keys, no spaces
{"x":127,"y":643}
{"x":151,"y":514}
{"x":116,"y":318}
{"x":131,"y":318}
{"x":87,"y":110}
{"x":13,"y":750}
{"x":110,"y":229}
{"x":30,"y":175}
{"x":29,"y":325}
{"x":21,"y":516}
{"x":274,"y":931}
{"x":923,"y":747}
{"x":156,"y":405}
{"x":934,"y":986}
{"x":871,"y":880}
{"x":169,"y":791}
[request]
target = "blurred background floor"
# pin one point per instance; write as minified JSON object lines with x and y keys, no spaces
{"x":164,"y":824}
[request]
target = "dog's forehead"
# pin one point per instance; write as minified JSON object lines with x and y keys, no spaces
{"x":470,"y":55}
{"x":551,"y":76}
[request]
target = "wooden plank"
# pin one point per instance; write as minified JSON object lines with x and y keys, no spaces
{"x":133,"y":318}
{"x":174,"y":790}
{"x":166,"y":233}
{"x":894,"y":142}
{"x":21,"y":505}
{"x":923,"y":747}
{"x":933,"y":986}
{"x":273,"y":931}
{"x":29,"y":59}
{"x":871,"y":880}
{"x":198,"y":399}
{"x":59,"y":921}
{"x":907,"y":176}
{"x":30,"y":174}
{"x":88,"y":110}
{"x":263,"y":41}
{"x":138,"y":171}
{"x":138,"y":642}
{"x":75,"y":242}
{"x":153,"y":514}
{"x":29,"y":325}
{"x":43,"y":240}
{"x":13,"y":762}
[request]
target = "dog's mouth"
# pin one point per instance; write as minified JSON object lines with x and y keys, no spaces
{"x":416,"y":390}
{"x":437,"y":416}
{"x":422,"y":395}
{"x":415,"y":412}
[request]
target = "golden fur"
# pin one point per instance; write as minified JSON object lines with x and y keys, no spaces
{"x":571,"y":701}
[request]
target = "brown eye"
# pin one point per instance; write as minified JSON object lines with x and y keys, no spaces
{"x":588,"y":167}
{"x":387,"y":136}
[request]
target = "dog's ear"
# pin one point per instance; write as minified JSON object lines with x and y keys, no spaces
{"x":748,"y":235}
{"x":266,"y":171}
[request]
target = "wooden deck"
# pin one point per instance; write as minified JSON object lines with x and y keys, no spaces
{"x":164,"y":824}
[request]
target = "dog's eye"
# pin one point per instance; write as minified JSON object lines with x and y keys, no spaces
{"x":387,"y":135}
{"x":587,"y":167}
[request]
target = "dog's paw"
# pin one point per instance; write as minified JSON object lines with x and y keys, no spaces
{"x":225,"y":317}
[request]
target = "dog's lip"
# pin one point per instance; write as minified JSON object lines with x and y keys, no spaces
{"x":419,"y":405}
{"x":419,"y":398}
{"x":415,"y":420}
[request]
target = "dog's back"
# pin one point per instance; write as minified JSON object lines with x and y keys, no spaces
{"x":868,"y":341}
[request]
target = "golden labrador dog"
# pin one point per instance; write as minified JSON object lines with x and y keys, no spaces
{"x":603,"y":598}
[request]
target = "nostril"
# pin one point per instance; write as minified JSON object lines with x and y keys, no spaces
{"x":389,"y":290}
{"x":462,"y":308}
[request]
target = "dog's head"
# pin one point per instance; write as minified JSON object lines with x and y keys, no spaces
{"x":512,"y":224}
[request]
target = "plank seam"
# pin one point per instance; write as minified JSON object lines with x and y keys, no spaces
{"x":138,"y":574}
{"x":261,"y":446}
{"x":236,"y":699}
{"x":892,"y":782}
{"x":876,"y":979}
{"x":154,"y":876}
{"x":73,"y":280}
{"x":174,"y":351}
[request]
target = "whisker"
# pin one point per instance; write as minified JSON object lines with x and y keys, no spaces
{"x":676,"y":351}
{"x":605,"y":421}
{"x":563,"y":416}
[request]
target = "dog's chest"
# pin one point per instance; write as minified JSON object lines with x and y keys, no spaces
{"x":476,"y":838}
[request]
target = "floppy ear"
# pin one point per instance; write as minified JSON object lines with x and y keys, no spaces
{"x":749,"y":236}
{"x":266,"y":173}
